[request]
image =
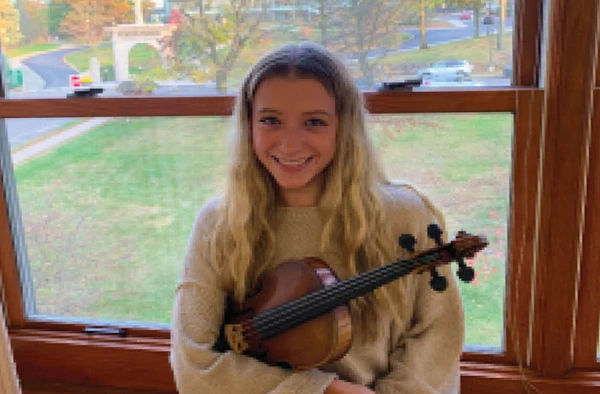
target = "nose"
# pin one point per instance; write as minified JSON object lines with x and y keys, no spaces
{"x":292,"y":139}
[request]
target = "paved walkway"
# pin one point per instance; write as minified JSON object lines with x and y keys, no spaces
{"x":44,"y":145}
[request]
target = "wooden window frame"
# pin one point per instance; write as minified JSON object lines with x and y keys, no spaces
{"x":57,"y":352}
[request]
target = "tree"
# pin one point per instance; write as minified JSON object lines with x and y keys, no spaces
{"x":10,"y":33}
{"x":477,"y":5}
{"x":57,"y":11}
{"x":87,"y":19}
{"x":326,"y":20}
{"x":423,"y":7}
{"x":366,"y":30}
{"x":208,"y":45}
{"x":33,"y":15}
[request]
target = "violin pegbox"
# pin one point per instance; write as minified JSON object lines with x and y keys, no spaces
{"x":463,"y":247}
{"x":437,"y":282}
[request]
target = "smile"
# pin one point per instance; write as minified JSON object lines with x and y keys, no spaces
{"x":292,"y":163}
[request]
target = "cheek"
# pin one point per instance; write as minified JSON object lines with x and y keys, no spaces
{"x":260,"y":142}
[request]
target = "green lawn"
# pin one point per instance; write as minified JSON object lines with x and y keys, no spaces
{"x":475,"y":50}
{"x":24,"y":50}
{"x":107,"y":216}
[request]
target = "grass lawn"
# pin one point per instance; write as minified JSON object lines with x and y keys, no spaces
{"x":24,"y":50}
{"x":475,"y":50}
{"x":107,"y":216}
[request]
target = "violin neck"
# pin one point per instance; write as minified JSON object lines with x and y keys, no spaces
{"x":289,"y":315}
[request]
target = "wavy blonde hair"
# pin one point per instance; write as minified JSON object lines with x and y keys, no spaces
{"x":351,"y":206}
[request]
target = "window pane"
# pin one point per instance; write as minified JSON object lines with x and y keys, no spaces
{"x":107,"y":204}
{"x":462,"y":162}
{"x":191,"y":47}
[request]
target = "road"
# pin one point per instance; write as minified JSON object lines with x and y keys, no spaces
{"x":51,"y":67}
{"x":464,"y":29}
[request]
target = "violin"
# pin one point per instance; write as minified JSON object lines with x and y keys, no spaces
{"x":300,"y":318}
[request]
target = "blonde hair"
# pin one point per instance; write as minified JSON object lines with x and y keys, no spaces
{"x":351,"y":206}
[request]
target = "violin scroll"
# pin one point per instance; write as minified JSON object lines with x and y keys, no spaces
{"x":464,"y":246}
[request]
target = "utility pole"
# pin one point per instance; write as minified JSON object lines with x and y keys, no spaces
{"x":139,"y":13}
{"x":500,"y":42}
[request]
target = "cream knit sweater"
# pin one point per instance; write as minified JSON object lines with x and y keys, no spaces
{"x":421,"y":357}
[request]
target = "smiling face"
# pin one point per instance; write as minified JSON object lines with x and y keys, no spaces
{"x":294,"y":125}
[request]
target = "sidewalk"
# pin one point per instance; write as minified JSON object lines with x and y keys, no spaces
{"x":31,"y":81}
{"x":38,"y":148}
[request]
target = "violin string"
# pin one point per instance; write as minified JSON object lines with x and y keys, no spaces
{"x":296,"y":308}
{"x":274,"y":319}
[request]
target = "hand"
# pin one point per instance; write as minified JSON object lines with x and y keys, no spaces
{"x":338,"y":386}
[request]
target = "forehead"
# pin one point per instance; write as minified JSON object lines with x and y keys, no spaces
{"x":298,"y":94}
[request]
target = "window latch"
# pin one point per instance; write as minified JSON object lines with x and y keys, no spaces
{"x":91,"y":92}
{"x":400,"y":86}
{"x":92,"y":330}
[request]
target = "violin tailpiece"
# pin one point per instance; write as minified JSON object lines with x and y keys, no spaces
{"x":235,"y":337}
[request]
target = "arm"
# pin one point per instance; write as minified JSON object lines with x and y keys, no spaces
{"x":338,"y":386}
{"x":197,"y":317}
{"x":426,"y":354}
{"x":426,"y":358}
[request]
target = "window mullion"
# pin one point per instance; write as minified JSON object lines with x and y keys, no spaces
{"x":522,"y":224}
{"x":564,"y":148}
{"x":588,"y":310}
{"x":527,"y":40}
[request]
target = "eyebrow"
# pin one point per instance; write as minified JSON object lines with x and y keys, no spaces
{"x":312,"y":112}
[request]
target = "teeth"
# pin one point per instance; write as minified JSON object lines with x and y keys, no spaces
{"x":292,"y":163}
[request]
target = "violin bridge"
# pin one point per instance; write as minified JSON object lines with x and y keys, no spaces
{"x":235,"y":337}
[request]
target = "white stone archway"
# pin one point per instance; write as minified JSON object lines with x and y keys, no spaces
{"x":124,"y":37}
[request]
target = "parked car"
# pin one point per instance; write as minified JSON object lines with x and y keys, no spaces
{"x":465,"y":16}
{"x":447,"y":69}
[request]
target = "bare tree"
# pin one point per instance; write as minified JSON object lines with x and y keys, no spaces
{"x":207,"y":44}
{"x":366,"y":31}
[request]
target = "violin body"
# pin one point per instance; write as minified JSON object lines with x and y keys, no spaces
{"x":315,"y":342}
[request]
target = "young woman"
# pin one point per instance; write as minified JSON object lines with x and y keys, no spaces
{"x":304,"y":181}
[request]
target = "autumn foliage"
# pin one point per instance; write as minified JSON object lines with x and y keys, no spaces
{"x":87,"y":19}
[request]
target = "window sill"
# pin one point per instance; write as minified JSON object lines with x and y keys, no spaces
{"x":142,"y":364}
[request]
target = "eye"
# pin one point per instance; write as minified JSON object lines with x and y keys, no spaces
{"x":314,"y":122}
{"x":269,"y":120}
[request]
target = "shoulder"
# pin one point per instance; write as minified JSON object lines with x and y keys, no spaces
{"x":207,"y":217}
{"x":404,"y":199}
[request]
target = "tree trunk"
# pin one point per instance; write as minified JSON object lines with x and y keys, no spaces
{"x":221,"y":80}
{"x":423,"y":38}
{"x":322,"y":24}
{"x":476,"y":17}
{"x":366,"y":70}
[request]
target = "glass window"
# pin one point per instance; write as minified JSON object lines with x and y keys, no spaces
{"x":202,"y":48}
{"x":107,"y":205}
{"x":462,"y":162}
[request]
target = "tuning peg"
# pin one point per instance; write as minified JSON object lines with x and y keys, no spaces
{"x":435,"y":232}
{"x":437,"y":282}
{"x":407,"y":241}
{"x":465,"y":273}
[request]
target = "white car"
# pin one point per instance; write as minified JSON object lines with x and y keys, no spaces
{"x":447,"y":70}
